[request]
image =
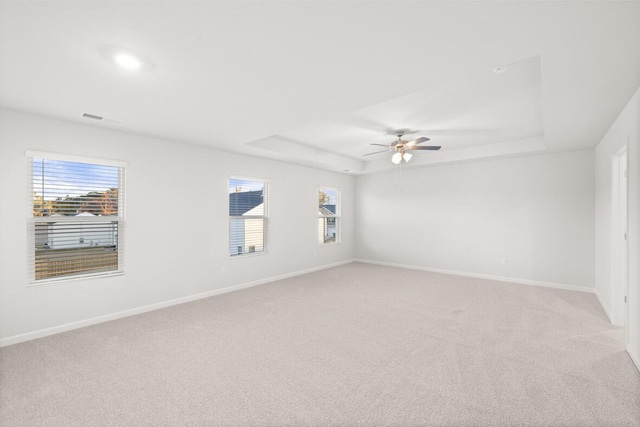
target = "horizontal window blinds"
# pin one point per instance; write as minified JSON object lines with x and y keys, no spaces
{"x":248,"y":200}
{"x":75,"y":218}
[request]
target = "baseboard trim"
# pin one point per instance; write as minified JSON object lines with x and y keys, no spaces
{"x":604,"y":308}
{"x":634,"y":358}
{"x":28,"y":336}
{"x":484,"y":276}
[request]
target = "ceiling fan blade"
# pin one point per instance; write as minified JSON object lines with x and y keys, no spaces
{"x":381,"y":145}
{"x":418,"y":141}
{"x":426,"y":147}
{"x":376,"y":152}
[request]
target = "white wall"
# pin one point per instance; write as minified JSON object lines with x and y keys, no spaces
{"x":537,"y":212}
{"x":625,"y":130}
{"x":176,"y":232}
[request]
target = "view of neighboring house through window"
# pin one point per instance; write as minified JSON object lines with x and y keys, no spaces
{"x":75,"y":217}
{"x":247,"y":216}
{"x":328,"y":215}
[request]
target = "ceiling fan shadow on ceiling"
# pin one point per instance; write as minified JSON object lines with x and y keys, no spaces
{"x":402,"y":148}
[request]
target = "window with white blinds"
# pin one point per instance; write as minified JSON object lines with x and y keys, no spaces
{"x":248,"y":209}
{"x":328,"y":215}
{"x":75,"y":217}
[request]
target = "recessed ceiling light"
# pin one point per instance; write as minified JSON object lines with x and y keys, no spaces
{"x":499,"y":70}
{"x":125,"y":58}
{"x":128,"y":61}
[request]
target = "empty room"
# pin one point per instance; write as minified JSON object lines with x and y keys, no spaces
{"x":310,"y":213}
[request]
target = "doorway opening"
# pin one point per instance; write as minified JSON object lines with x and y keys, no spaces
{"x":619,"y":238}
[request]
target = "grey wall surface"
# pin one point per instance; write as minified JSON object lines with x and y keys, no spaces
{"x":176,"y":229}
{"x":536,"y":212}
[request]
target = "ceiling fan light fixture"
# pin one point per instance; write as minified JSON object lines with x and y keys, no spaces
{"x":125,"y":58}
{"x":401,"y":148}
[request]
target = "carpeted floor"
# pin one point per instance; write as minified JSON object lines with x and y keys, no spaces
{"x":353,"y":345}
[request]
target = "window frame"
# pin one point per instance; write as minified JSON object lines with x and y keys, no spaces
{"x":33,"y":221}
{"x":266,"y":185}
{"x":337,"y":217}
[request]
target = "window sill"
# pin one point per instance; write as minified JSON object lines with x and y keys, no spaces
{"x":249,"y":255}
{"x":324,"y":245}
{"x":62,"y":280}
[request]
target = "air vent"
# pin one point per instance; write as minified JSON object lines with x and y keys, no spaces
{"x":92,"y":116}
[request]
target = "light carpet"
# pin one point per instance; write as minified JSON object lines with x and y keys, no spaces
{"x":353,"y":345}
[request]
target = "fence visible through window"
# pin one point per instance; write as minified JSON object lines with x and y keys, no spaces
{"x":75,"y":218}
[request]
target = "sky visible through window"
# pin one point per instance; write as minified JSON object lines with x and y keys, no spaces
{"x":75,"y":228}
{"x":53,"y":179}
{"x":243,"y":185}
{"x":328,"y":196}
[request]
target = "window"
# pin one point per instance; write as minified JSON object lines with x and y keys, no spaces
{"x":248,"y":203}
{"x":328,"y":215}
{"x":75,"y":217}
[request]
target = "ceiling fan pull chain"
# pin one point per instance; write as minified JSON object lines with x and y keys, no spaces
{"x":398,"y":175}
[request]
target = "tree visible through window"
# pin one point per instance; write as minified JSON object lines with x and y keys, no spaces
{"x":328,"y":215}
{"x":75,"y":218}
{"x":247,"y":216}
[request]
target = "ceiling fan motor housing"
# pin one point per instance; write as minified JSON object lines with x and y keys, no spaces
{"x":402,"y":147}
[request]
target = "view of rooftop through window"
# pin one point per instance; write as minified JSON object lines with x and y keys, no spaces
{"x":247,"y":216}
{"x":75,"y":218}
{"x":328,"y":211}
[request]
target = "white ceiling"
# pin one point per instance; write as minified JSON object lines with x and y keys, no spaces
{"x":315,"y":83}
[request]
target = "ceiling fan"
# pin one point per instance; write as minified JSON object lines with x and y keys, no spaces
{"x":401,"y":147}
